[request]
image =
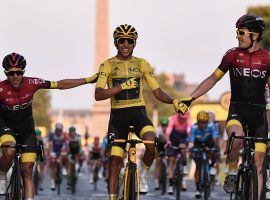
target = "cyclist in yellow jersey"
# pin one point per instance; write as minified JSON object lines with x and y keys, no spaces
{"x":124,"y":75}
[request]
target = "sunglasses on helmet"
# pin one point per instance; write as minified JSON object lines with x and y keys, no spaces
{"x":243,"y":32}
{"x":122,"y":41}
{"x":12,"y":73}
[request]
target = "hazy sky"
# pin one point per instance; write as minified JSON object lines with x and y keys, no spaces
{"x":57,"y":38}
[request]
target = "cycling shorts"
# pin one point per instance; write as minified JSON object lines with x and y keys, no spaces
{"x":95,"y":155}
{"x":177,"y":138}
{"x":24,"y":133}
{"x":121,"y":119}
{"x":252,"y":115}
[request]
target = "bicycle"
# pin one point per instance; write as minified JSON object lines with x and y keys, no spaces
{"x":15,"y":188}
{"x":178,"y":172}
{"x":131,"y":175}
{"x":246,"y":186}
{"x":205,"y":177}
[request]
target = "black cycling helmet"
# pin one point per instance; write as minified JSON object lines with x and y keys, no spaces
{"x":253,"y":23}
{"x":126,"y":31}
{"x":14,"y":60}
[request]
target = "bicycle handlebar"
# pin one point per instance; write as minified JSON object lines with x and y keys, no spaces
{"x":133,"y":140}
{"x":233,"y":136}
{"x":37,"y":147}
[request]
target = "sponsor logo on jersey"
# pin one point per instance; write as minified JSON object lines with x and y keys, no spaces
{"x":27,"y":95}
{"x":247,"y":72}
{"x":18,"y":106}
{"x":134,"y":70}
{"x":36,"y":81}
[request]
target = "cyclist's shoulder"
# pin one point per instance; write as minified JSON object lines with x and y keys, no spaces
{"x":194,"y":126}
{"x":233,"y":51}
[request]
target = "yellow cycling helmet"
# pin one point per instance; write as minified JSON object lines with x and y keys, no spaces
{"x":125,"y":30}
{"x":202,"y":116}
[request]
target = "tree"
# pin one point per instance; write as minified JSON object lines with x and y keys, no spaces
{"x":263,"y":11}
{"x":41,"y":106}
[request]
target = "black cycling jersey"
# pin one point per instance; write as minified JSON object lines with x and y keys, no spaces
{"x":248,"y":74}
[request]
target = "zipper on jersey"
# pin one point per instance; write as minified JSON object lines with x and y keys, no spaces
{"x":249,"y":82}
{"x":127,"y":75}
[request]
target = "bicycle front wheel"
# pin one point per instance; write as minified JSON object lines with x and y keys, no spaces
{"x":206,"y":181}
{"x":131,"y":183}
{"x":17,"y":191}
{"x":163,"y":177}
{"x":36,"y":178}
{"x":73,"y":178}
{"x":96,"y":171}
{"x":252,"y":184}
{"x":177,"y":179}
{"x":239,"y":185}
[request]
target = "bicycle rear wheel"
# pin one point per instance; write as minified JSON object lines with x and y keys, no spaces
{"x":252,"y":184}
{"x":17,"y":188}
{"x":163,"y":177}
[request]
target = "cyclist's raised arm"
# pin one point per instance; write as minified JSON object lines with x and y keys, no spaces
{"x":149,"y":76}
{"x":71,"y":83}
{"x":206,"y":85}
{"x":162,"y":96}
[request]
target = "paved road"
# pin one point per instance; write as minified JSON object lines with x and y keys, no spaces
{"x":85,"y":192}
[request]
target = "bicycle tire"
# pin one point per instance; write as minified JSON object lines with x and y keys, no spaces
{"x":73,"y":178}
{"x":36,"y":178}
{"x":177,"y":180}
{"x":95,"y":178}
{"x":17,"y":192}
{"x":163,"y":177}
{"x":264,"y":171}
{"x":239,"y":186}
{"x":130,"y":183}
{"x":252,"y":183}
{"x":206,"y":180}
{"x":58,"y":179}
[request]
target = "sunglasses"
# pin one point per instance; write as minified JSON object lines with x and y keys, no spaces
{"x":12,"y":73}
{"x":123,"y":40}
{"x":243,"y":32}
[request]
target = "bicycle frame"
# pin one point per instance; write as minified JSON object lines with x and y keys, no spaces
{"x":16,"y":180}
{"x":178,"y":171}
{"x":131,"y":166}
{"x":247,"y":162}
{"x":205,"y":179}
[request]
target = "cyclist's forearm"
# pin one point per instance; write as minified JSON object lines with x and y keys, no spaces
{"x":70,"y":83}
{"x":102,"y":94}
{"x":205,"y":86}
{"x":162,"y":96}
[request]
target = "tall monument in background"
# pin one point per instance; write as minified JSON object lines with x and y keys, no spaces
{"x":101,"y":109}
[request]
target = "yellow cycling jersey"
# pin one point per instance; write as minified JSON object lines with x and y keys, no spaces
{"x":113,"y":72}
